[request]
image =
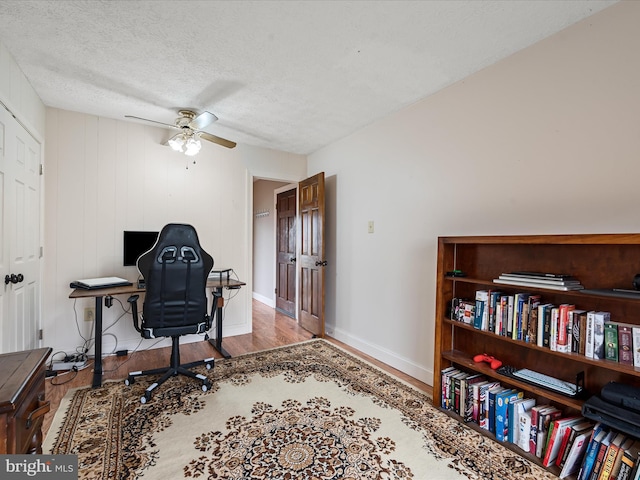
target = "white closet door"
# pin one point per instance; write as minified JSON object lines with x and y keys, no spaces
{"x":20,"y":236}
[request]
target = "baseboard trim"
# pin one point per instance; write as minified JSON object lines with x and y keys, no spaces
{"x":379,"y":353}
{"x":262,"y":299}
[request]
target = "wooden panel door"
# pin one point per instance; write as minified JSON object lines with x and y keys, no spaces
{"x":286,"y":253}
{"x":311,"y":261}
{"x":20,"y":238}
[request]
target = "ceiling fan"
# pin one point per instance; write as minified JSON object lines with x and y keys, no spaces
{"x":190,"y":126}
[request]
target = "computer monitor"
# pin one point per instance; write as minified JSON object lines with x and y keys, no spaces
{"x":135,"y":244}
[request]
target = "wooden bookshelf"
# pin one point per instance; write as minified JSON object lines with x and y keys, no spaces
{"x":601,"y":262}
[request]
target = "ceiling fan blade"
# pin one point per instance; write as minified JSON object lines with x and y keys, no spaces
{"x":202,"y":120}
{"x":152,"y":121}
{"x":218,"y":140}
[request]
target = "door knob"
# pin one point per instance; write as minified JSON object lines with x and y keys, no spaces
{"x":292,"y":259}
{"x":13,"y":278}
{"x":321,"y":264}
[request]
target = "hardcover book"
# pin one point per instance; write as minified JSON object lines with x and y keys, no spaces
{"x":447,"y":384}
{"x":524,"y":431}
{"x":553,"y":334}
{"x":469,"y":312}
{"x":476,"y":395}
{"x":542,"y":325}
{"x":588,"y":347}
{"x":576,"y":454}
{"x":555,"y":436}
{"x":610,"y":456}
{"x":535,"y":419}
{"x":574,"y":320}
{"x":467,"y":403}
{"x":530,"y":327}
{"x":636,"y":346}
{"x":504,"y":309}
{"x":519,"y":312}
{"x":483,"y":403}
{"x":482,"y":300}
{"x":502,"y":412}
{"x":494,"y":300}
{"x":569,"y":438}
{"x":455,"y":400}
{"x":511,"y":300}
{"x":626,"y":445}
{"x":598,"y":434}
{"x":544,"y":425}
{"x":600,"y":318}
{"x":492,"y":394}
{"x":625,"y":344}
{"x":629,"y":462}
{"x":578,"y":327}
{"x":497,"y":326}
{"x":563,"y":342}
{"x":600,"y":456}
{"x":611,"y":341}
{"x":517,"y":408}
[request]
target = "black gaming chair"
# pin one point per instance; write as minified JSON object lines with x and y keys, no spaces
{"x":175,"y":271}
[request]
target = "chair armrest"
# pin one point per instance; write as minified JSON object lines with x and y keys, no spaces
{"x":133,"y":301}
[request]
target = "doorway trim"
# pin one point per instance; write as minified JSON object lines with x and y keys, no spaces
{"x":252,"y":176}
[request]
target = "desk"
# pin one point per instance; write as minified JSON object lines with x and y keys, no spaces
{"x":217,"y":286}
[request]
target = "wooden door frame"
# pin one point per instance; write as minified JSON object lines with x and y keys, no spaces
{"x":252,"y":176}
{"x":285,"y":188}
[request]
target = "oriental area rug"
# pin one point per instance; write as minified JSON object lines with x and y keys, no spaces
{"x":306,"y":411}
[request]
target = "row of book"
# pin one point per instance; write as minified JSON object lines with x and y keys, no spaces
{"x":572,"y":443}
{"x":563,"y":328}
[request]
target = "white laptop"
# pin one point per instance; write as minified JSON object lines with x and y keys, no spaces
{"x":100,"y":282}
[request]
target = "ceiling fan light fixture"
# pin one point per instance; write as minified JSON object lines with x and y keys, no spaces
{"x":177,"y":142}
{"x":192,"y":146}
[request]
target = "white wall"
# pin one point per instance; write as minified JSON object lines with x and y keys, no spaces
{"x":264,"y":245}
{"x":546,"y":141}
{"x":105,"y":176}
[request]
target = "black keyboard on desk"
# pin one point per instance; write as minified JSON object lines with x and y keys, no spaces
{"x":545,"y":381}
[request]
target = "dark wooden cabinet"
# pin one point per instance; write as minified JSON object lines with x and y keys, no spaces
{"x":601,"y":262}
{"x":22,"y":401}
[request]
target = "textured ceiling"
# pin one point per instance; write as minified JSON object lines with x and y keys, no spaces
{"x":288,"y":75}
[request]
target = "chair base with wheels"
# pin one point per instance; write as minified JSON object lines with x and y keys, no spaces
{"x":174,"y":368}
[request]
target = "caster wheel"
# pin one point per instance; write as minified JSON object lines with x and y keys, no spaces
{"x":209,"y":366}
{"x":143,"y":399}
{"x":129,"y":381}
{"x":205,"y":387}
{"x":146,"y":397}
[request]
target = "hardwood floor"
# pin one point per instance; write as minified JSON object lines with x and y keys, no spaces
{"x":270,"y":329}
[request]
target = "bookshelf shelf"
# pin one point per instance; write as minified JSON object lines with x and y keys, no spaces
{"x":601,"y":262}
{"x":604,"y":364}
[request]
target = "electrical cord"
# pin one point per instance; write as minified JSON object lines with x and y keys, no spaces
{"x":88,"y":343}
{"x":73,"y":370}
{"x":134,"y":351}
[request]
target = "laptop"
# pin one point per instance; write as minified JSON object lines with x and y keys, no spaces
{"x":101,"y":282}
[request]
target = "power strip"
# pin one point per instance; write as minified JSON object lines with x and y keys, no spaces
{"x":56,"y":366}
